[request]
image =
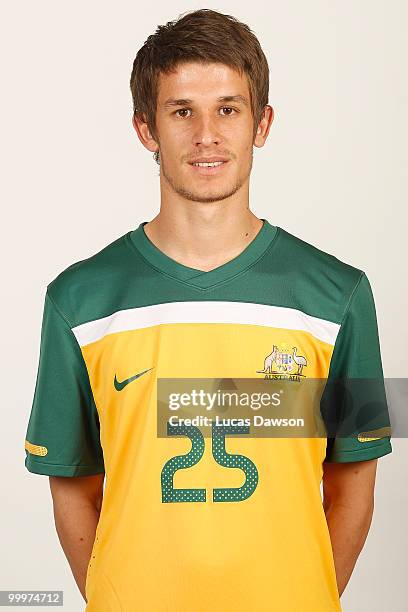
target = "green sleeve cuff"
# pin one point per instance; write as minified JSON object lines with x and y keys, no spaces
{"x":362,"y":454}
{"x":49,"y":469}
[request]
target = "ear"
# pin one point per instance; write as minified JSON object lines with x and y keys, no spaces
{"x":144,"y":133}
{"x":264,"y":126}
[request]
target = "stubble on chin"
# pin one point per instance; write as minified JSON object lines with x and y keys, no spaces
{"x":202,"y":197}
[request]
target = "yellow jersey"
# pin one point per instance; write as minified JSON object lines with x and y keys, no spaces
{"x":191,"y":523}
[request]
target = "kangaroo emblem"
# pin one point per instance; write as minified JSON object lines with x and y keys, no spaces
{"x":284,"y":361}
{"x":269,"y":359}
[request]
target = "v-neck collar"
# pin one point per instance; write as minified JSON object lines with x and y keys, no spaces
{"x":201,"y":278}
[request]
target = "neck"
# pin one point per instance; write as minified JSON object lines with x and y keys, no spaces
{"x":204,"y":236}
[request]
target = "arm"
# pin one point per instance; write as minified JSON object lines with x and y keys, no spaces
{"x":348,"y":501}
{"x":77,"y":504}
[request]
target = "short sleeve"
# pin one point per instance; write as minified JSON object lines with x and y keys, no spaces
{"x":62,"y":436}
{"x":354,"y":400}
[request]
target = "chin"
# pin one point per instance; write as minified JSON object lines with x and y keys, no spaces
{"x":206,"y":195}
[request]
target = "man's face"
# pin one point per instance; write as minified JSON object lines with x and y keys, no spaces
{"x":204,"y":115}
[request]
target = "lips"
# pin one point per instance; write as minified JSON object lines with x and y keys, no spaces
{"x":209,"y":170}
{"x":208,"y":160}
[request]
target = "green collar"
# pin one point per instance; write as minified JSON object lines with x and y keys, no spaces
{"x":200,"y":278}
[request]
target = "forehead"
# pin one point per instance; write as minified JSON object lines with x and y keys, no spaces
{"x":197,"y":80}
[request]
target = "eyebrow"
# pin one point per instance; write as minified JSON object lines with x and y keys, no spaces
{"x":184,"y":101}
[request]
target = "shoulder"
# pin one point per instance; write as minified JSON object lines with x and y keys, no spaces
{"x":84,"y":284}
{"x":323,"y":282}
{"x":310,"y":255}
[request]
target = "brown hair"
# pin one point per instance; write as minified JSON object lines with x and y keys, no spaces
{"x":203,"y":36}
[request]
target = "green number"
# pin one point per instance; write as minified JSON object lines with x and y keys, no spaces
{"x":222,"y":457}
{"x":233,"y":461}
{"x":181,"y":462}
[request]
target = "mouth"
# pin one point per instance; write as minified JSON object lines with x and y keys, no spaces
{"x":209,"y":167}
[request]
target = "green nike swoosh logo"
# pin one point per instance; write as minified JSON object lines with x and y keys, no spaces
{"x":121,"y":385}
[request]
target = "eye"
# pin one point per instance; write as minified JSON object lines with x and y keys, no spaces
{"x":182,"y":110}
{"x":229,"y":108}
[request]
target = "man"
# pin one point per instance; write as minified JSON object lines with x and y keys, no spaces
{"x":204,"y":290}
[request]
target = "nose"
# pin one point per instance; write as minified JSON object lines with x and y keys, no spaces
{"x":206,"y":132}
